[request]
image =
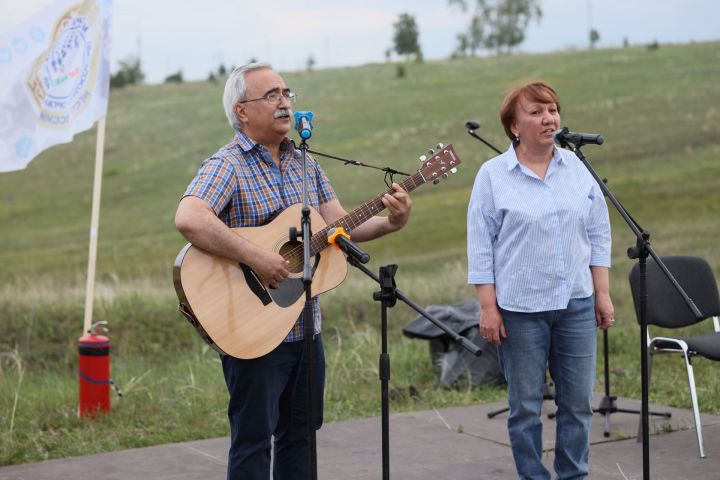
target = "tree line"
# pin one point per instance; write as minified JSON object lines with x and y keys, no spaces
{"x":497,"y":26}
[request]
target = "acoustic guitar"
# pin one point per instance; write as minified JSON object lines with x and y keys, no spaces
{"x":228,"y":305}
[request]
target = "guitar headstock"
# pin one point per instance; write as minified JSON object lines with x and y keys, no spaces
{"x":440,"y":162}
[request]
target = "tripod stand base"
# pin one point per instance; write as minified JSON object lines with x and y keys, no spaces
{"x":608,"y":407}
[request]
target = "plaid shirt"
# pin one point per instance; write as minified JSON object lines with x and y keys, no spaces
{"x":245,"y":188}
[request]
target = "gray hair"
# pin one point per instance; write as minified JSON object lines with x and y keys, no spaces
{"x":235,"y":88}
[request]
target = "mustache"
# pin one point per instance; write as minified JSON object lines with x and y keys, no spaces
{"x":282,"y":113}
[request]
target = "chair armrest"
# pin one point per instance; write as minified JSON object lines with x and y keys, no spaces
{"x":682,"y":345}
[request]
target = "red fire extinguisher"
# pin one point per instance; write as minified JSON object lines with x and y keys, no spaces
{"x":94,"y":349}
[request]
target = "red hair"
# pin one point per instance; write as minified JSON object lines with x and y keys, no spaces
{"x":538,"y":91}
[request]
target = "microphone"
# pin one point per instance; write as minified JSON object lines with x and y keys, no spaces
{"x":472,"y":125}
{"x":341,"y":240}
{"x":303,"y":124}
{"x":564,"y":136}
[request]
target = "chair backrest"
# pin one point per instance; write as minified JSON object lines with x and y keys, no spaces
{"x":665,"y":307}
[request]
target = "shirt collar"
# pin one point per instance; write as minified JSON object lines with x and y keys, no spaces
{"x":246,"y":143}
{"x":513,"y":162}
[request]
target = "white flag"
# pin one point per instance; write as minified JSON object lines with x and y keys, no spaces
{"x":54,"y":78}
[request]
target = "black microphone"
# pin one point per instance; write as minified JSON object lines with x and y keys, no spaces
{"x":472,"y":125}
{"x":564,"y":136}
{"x":340,"y":239}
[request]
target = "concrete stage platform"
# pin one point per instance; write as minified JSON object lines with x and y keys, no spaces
{"x":458,"y":443}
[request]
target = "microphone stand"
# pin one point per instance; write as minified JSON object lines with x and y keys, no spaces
{"x":308,"y":318}
{"x":607,"y":403}
{"x":640,"y":251}
{"x":388,"y":295}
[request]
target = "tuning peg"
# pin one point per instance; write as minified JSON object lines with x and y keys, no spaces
{"x":431,"y":152}
{"x":444,"y":175}
{"x":422,"y":158}
{"x":436,"y":181}
{"x":453,"y":170}
{"x":439,"y":146}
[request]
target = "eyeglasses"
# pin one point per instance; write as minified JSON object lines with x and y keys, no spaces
{"x":273,"y":98}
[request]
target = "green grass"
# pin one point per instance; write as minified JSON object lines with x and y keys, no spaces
{"x":658,"y":111}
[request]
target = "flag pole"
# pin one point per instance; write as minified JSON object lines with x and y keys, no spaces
{"x":95,"y":219}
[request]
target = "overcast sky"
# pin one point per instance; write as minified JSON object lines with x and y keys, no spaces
{"x":195,"y":36}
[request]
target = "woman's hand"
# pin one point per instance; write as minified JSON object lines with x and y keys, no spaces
{"x":491,"y":325}
{"x":604,"y":311}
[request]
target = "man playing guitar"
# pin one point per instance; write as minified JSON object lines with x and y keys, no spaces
{"x":245,"y":184}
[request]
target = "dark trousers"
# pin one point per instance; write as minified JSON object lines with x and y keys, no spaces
{"x":268,"y":398}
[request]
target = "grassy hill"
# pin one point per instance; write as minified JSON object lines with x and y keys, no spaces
{"x":659,"y":111}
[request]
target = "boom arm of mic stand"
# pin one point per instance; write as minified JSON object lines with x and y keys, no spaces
{"x":474,"y":135}
{"x":347,"y":161}
{"x":458,"y":339}
{"x":643,"y":242}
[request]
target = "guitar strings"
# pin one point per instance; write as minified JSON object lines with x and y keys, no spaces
{"x":295,"y":253}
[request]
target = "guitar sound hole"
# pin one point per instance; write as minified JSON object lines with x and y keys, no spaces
{"x":293,"y":253}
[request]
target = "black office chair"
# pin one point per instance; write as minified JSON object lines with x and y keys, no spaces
{"x":667,"y":309}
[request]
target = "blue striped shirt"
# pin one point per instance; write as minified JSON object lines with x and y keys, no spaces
{"x":245,"y":188}
{"x":536,"y":239}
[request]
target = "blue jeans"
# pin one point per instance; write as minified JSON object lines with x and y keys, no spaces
{"x":268,"y":398}
{"x":565,"y":340}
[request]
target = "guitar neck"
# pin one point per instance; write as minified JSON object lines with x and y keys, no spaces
{"x":362,"y":214}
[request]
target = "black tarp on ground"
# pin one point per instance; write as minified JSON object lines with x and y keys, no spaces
{"x":455,"y":366}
